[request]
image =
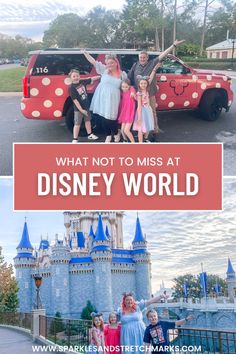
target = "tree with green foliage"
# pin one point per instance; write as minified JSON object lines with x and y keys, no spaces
{"x":8,"y":287}
{"x":57,"y":324}
{"x":194,"y":285}
{"x":87,"y":310}
{"x":66,"y":31}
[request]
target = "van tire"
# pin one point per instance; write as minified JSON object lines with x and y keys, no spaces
{"x":211,"y":105}
{"x":70,"y":118}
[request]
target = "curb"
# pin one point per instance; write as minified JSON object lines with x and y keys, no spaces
{"x":10,"y":94}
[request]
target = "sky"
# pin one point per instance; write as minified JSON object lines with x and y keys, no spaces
{"x":30,"y":18}
{"x":178,"y":241}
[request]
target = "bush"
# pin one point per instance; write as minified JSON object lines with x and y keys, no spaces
{"x":87,"y":310}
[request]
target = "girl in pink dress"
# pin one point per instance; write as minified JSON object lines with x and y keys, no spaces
{"x":144,"y":119}
{"x":112,"y":335}
{"x":127,"y":109}
{"x":96,"y":335}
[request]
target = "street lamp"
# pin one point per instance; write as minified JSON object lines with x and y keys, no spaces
{"x":232,"y":59}
{"x":38,"y":282}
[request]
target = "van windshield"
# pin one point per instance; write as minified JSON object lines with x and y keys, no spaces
{"x":61,"y":64}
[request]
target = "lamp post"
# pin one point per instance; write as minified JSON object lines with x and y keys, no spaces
{"x":232,"y":58}
{"x":38,"y":282}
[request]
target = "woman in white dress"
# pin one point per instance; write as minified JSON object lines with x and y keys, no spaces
{"x":106,"y":98}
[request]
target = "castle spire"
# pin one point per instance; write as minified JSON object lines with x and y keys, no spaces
{"x":107,"y":233}
{"x":138,"y":232}
{"x":230,"y":271}
{"x":91,"y":232}
{"x":100,"y":235}
{"x":25,"y":241}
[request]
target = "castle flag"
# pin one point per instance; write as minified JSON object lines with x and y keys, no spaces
{"x":203,"y":282}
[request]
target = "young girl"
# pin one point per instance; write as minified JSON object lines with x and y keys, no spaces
{"x":112,"y":334}
{"x":127,"y":109}
{"x":78,"y":94}
{"x":96,"y":335}
{"x":144,"y":120}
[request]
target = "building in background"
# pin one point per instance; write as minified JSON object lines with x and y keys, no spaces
{"x":90,"y":263}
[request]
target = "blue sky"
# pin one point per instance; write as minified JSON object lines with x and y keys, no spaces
{"x":178,"y":241}
{"x":30,"y":18}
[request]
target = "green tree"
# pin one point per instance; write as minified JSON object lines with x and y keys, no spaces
{"x":66,"y":31}
{"x":57,"y":324}
{"x":103,"y":28}
{"x":194,"y":286}
{"x":8,"y":287}
{"x":87,"y":310}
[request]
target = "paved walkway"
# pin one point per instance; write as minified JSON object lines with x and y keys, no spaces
{"x":13,"y":342}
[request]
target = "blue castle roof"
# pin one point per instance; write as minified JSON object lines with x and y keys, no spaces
{"x":76,"y":260}
{"x":107,"y":232}
{"x":138,"y":232}
{"x":24,"y":255}
{"x":44,"y":245}
{"x":122,"y":260}
{"x":101,"y":248}
{"x":91,"y":232}
{"x":100,"y":235}
{"x":80,"y":239}
{"x":230,"y":269}
{"x":25,"y":241}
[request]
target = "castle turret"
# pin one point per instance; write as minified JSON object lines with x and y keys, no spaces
{"x":142,"y":264}
{"x":60,"y":259}
{"x":91,"y":238}
{"x":231,"y":280}
{"x":24,"y":262}
{"x":101,"y":256}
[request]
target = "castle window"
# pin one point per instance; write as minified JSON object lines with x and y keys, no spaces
{"x":57,"y":292}
{"x":26,"y":285}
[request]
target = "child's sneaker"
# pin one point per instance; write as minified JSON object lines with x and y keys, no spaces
{"x":74,"y":141}
{"x":108,"y":139}
{"x":92,"y":136}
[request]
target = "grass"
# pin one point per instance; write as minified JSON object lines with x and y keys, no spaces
{"x":11,"y":79}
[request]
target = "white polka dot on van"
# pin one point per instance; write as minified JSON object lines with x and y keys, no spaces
{"x":47,"y":103}
{"x":34,"y":92}
{"x":46,"y":81}
{"x":59,"y":92}
{"x":57,"y":113}
{"x":186,"y":103}
{"x":163,"y":78}
{"x":67,"y":81}
{"x":203,"y":86}
{"x":195,"y":95}
{"x":35,"y":114}
{"x":171,"y":104}
{"x":163,"y":96}
{"x":218,"y":85}
{"x":194,"y":77}
{"x":209,"y":77}
{"x":22,"y":106}
{"x":225,"y":78}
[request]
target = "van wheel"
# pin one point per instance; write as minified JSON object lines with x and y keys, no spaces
{"x":211,"y":105}
{"x":70,"y":119}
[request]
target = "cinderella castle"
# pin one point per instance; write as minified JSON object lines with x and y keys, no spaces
{"x":90,"y":263}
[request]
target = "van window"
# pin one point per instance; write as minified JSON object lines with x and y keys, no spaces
{"x":127,"y":60}
{"x":61,"y":64}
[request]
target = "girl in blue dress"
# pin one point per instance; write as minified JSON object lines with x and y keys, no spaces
{"x":144,"y":119}
{"x":106,"y":98}
{"x":132,"y":325}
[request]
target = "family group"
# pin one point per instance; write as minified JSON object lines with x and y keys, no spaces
{"x":126,"y":332}
{"x":128,"y":100}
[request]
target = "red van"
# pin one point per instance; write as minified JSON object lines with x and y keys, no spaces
{"x":45,"y":84}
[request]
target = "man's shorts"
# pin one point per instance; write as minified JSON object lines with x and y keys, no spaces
{"x":78,"y":117}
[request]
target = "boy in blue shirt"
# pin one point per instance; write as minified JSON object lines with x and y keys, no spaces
{"x":156,"y":334}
